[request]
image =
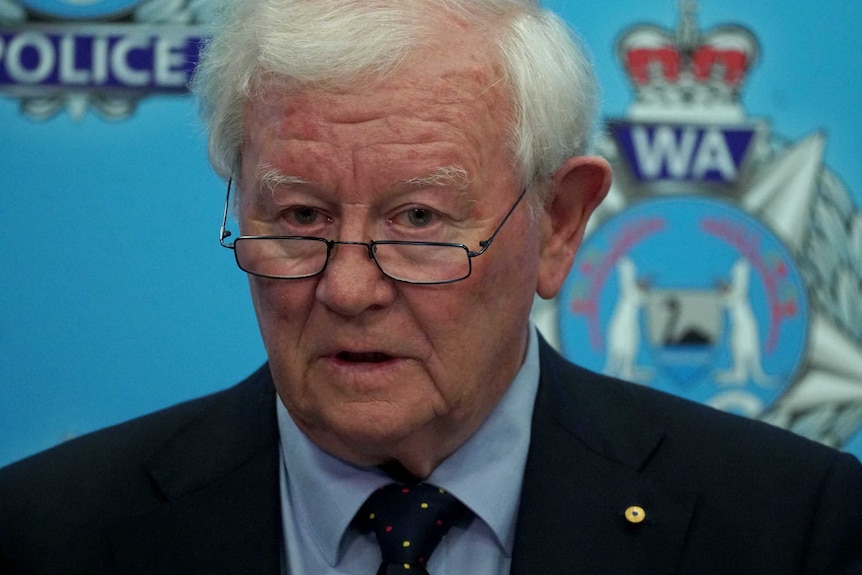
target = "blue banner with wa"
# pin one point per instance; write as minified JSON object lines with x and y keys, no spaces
{"x":725,"y":265}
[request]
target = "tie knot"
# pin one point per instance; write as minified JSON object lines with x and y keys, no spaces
{"x":410,"y":521}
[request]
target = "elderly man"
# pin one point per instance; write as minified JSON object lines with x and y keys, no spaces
{"x":406,"y":176}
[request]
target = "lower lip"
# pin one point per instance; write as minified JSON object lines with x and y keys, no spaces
{"x":361,"y":367}
{"x":366,"y":378}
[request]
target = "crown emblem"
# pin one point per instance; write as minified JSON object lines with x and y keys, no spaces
{"x":674,"y":71}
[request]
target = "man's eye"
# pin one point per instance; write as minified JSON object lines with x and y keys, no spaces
{"x":304,"y":215}
{"x":420,"y":217}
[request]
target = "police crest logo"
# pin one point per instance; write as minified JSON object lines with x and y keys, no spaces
{"x":726,"y":262}
{"x":105,"y":55}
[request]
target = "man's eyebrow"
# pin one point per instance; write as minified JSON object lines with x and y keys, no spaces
{"x":445,"y":176}
{"x":269,"y":178}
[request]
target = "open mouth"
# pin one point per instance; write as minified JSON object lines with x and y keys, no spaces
{"x":367,"y":357}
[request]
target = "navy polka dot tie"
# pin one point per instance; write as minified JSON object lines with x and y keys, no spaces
{"x":409,"y":521}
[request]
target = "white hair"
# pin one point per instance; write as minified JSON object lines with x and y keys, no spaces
{"x":338,"y":42}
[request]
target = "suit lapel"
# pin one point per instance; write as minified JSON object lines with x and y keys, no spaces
{"x":593,"y":454}
{"x":219,"y":478}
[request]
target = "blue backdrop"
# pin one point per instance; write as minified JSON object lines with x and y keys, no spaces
{"x":118,"y":299}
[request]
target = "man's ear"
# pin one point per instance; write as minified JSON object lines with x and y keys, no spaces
{"x":577,"y":188}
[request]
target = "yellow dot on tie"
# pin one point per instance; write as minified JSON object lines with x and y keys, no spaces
{"x":372,"y":515}
{"x":424,"y":506}
{"x":635,"y":514}
{"x":407,"y":565}
{"x":406,"y":544}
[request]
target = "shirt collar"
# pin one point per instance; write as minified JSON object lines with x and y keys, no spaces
{"x":485,"y":473}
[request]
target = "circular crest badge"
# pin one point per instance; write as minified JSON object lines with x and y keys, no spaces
{"x":81,"y":9}
{"x":692,"y":296}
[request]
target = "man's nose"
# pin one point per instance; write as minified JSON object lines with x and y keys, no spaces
{"x":352,"y":282}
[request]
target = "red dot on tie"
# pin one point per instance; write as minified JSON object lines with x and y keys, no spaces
{"x":405,"y":490}
{"x":388,"y":528}
{"x":439,"y":523}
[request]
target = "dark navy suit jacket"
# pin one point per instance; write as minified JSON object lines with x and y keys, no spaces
{"x":194,"y":490}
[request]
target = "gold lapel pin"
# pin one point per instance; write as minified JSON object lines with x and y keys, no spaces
{"x":635,"y":514}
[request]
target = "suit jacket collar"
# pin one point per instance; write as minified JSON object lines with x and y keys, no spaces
{"x":594,"y":452}
{"x":219,"y":480}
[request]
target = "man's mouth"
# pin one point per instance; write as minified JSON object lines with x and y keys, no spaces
{"x":363,"y":357}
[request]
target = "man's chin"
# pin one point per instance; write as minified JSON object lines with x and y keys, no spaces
{"x":370,"y":435}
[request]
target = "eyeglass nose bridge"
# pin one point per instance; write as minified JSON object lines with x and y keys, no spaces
{"x":369,"y":247}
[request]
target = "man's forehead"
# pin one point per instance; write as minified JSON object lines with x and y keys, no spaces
{"x":442,"y":122}
{"x":430,"y":98}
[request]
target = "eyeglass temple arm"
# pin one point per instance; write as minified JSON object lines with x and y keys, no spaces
{"x":485,"y":244}
{"x":223,"y":231}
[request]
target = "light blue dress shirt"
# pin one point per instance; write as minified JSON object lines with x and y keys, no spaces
{"x":321,"y":494}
